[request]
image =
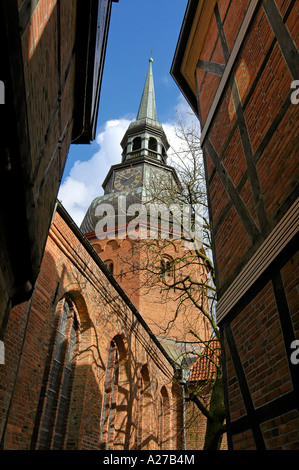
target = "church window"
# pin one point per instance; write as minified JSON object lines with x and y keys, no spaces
{"x":167,"y":271}
{"x":167,"y":267}
{"x":152,"y":144}
{"x":137,"y":143}
{"x":54,"y":404}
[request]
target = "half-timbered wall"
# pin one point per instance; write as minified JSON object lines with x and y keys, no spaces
{"x":240,"y":60}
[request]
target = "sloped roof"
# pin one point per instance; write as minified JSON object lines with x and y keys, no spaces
{"x":183,"y":353}
{"x":204,"y":367}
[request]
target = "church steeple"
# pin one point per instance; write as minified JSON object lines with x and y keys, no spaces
{"x":117,"y":221}
{"x":144,"y":158}
{"x":145,"y":136}
{"x":147,"y":108}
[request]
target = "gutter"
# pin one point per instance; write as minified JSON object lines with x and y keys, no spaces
{"x":175,"y":70}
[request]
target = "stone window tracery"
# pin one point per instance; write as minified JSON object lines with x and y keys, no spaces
{"x":56,"y":391}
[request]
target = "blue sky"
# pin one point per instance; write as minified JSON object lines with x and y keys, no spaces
{"x":138,"y":28}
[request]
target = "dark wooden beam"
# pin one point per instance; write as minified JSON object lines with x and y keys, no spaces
{"x":244,"y":389}
{"x":211,"y":67}
{"x":251,"y":167}
{"x":240,"y":206}
{"x":225,"y":48}
{"x":285,"y":41}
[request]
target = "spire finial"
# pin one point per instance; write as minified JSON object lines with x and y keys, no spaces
{"x":147,"y":108}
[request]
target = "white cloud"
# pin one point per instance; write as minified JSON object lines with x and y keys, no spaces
{"x":188,"y":119}
{"x":165,"y":80}
{"x":84,"y":181}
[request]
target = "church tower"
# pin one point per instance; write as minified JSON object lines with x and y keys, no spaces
{"x":138,"y":265}
{"x":144,"y":156}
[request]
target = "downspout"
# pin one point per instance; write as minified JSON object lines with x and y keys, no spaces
{"x":182,"y":374}
{"x":184,"y":414}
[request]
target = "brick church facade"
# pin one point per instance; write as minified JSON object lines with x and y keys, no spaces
{"x":82,"y":369}
{"x":85,"y":365}
{"x":130,"y":250}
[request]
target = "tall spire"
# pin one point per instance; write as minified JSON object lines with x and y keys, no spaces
{"x":147,"y":108}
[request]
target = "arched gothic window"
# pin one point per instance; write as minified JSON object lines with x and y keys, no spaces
{"x":152,"y":144}
{"x":167,"y":266}
{"x":55,"y":396}
{"x":167,"y":271}
{"x":137,"y":143}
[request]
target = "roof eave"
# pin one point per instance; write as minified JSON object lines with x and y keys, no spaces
{"x":176,"y":66}
{"x":88,"y":73}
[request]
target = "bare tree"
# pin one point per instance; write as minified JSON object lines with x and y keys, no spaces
{"x":188,"y":276}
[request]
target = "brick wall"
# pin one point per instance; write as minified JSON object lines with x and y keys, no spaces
{"x":134,"y":264}
{"x":69,"y":271}
{"x":244,"y":64}
{"x":49,"y":68}
{"x":136,"y":267}
{"x":41,"y":83}
{"x":49,"y":72}
{"x":251,"y":150}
